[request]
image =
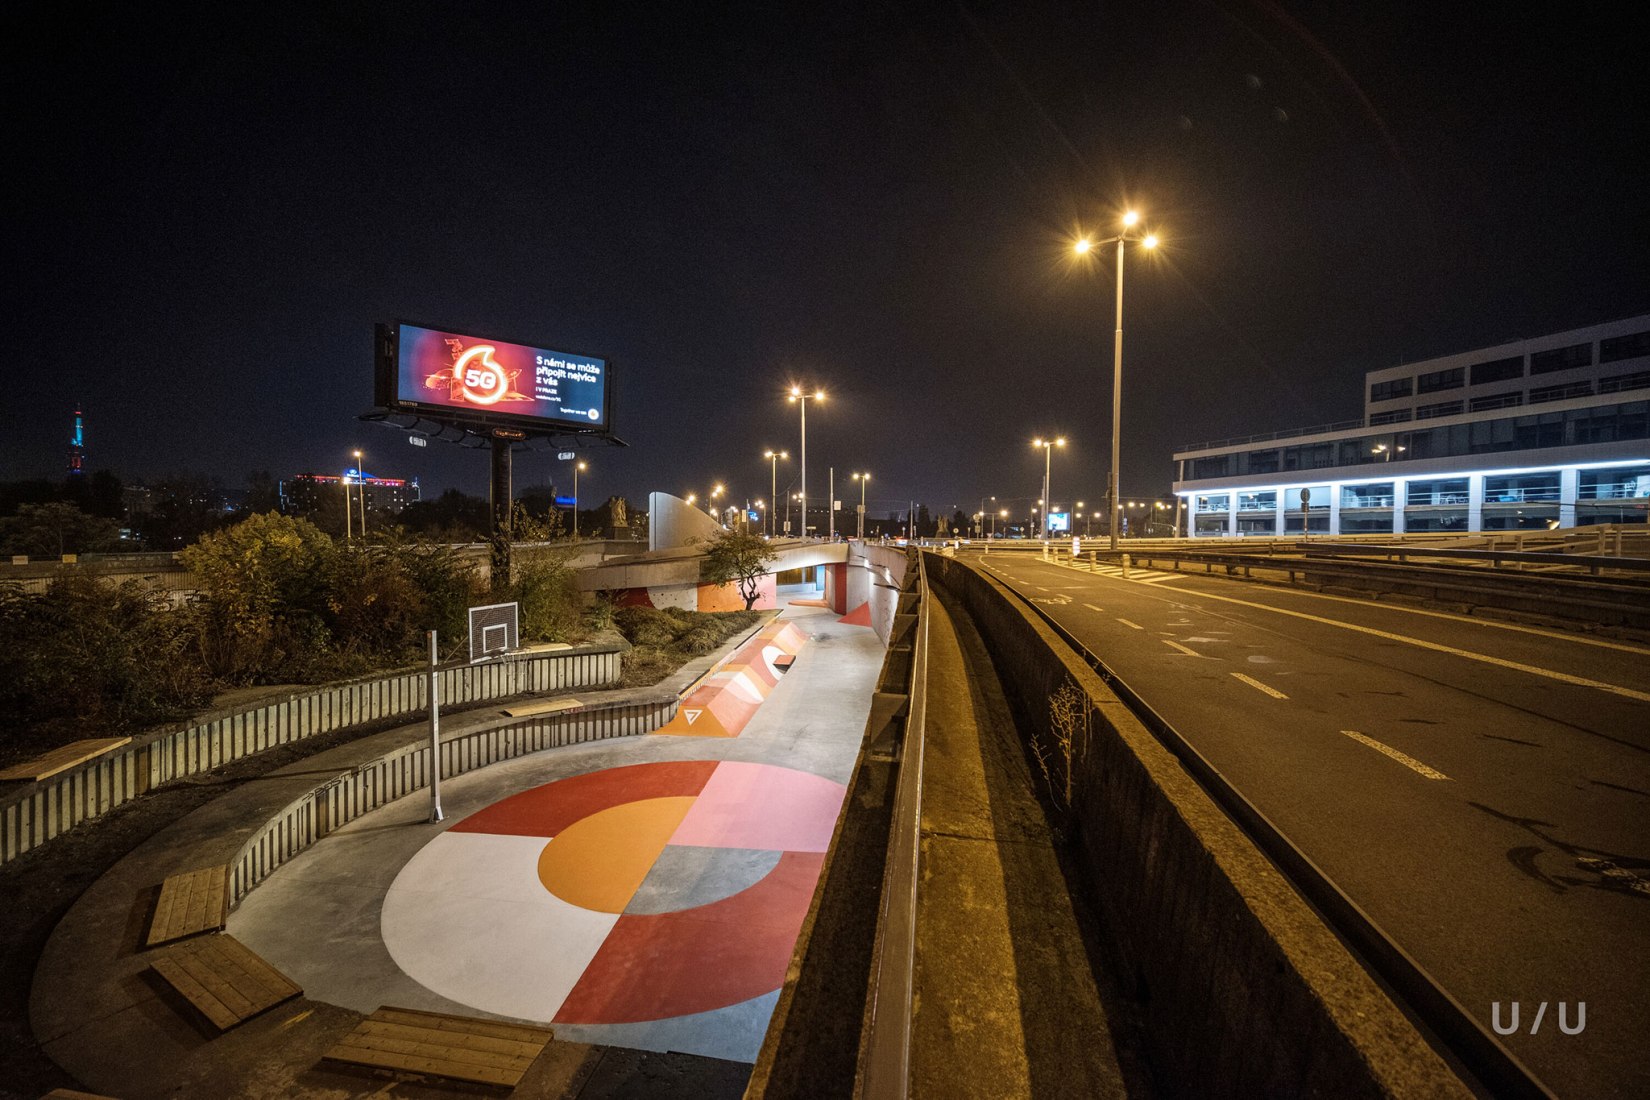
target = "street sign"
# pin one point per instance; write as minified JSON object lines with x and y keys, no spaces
{"x":566,"y":456}
{"x":1306,"y":499}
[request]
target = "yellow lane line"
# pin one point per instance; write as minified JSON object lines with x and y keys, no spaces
{"x":1135,"y":626}
{"x":1183,"y":649}
{"x":1438,"y":647}
{"x":1258,"y":686}
{"x":1406,"y":760}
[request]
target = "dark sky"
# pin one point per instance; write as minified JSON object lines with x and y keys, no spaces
{"x":211,"y":208}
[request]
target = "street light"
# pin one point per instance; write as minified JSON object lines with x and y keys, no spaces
{"x":773,"y":458}
{"x":1048,"y":446}
{"x":710,"y":504}
{"x":864,"y":480}
{"x":1130,"y":219}
{"x":361,"y":484}
{"x":577,"y":466}
{"x":800,"y":398}
{"x":349,"y":528}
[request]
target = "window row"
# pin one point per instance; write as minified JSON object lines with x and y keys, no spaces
{"x":1532,"y":431}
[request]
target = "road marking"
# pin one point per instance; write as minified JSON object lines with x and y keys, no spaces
{"x":1135,"y":626}
{"x":1257,"y":685}
{"x":1498,"y":625}
{"x":692,"y":713}
{"x":1406,"y":760}
{"x":1183,"y":649}
{"x":1438,"y":647}
{"x":1091,"y":607}
{"x":1161,"y":577}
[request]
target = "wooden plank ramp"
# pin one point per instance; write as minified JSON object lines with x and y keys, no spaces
{"x":459,"y":1048}
{"x":62,"y":758}
{"x":224,"y":979}
{"x":190,"y":902}
{"x":549,"y":706}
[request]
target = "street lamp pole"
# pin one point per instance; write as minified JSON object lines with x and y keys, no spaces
{"x":801,"y":399}
{"x":864,"y":480}
{"x":1048,"y":446}
{"x":361,"y":483}
{"x":577,"y":466}
{"x":349,"y":527}
{"x":1113,"y":502}
{"x":773,"y":458}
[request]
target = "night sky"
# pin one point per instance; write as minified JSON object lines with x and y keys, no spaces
{"x":211,"y":207}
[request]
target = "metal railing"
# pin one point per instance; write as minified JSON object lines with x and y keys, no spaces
{"x":886,"y":1066}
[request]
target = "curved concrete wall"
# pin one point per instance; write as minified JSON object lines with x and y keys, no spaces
{"x":39,"y":811}
{"x":672,"y":521}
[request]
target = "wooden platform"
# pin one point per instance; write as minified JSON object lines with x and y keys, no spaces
{"x":62,"y":758}
{"x":486,"y":1052}
{"x":548,"y":706}
{"x":190,"y":903}
{"x":784,"y":661}
{"x":223,"y":978}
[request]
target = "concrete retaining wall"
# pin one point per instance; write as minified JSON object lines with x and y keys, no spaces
{"x":875,"y":574}
{"x":1246,"y":991}
{"x":396,"y":774}
{"x":34,"y":814}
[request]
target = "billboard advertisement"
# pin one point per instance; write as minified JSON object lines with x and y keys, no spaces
{"x":483,"y":379}
{"x":1059,"y":521}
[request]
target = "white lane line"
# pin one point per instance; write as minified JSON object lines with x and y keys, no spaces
{"x":1135,"y":626}
{"x":1161,"y":577}
{"x":1438,"y":647}
{"x":1406,"y":760}
{"x":1183,"y":649}
{"x":1258,"y":686}
{"x":1091,"y":607}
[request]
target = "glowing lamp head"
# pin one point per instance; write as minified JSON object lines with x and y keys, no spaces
{"x":1150,"y":241}
{"x":1130,"y":218}
{"x":1061,"y":442}
{"x":1082,"y":246}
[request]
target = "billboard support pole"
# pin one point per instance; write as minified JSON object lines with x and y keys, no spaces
{"x":501,"y":514}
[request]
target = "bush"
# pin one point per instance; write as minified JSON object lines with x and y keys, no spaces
{"x":547,"y":590}
{"x":90,"y":658}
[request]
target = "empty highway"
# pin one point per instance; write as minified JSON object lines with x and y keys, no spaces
{"x":1480,"y":789}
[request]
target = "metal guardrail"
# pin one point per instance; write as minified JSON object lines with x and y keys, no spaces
{"x":1483,"y":1056}
{"x":886,"y":1066}
{"x":1593,"y":563}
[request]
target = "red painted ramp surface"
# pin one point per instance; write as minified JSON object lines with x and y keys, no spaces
{"x":725,"y":700}
{"x":859,"y":616}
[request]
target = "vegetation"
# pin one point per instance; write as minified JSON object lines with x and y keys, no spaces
{"x":741,"y":557}
{"x":55,"y":528}
{"x":280,"y":601}
{"x":661,"y":640}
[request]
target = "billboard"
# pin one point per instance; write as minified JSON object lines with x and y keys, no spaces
{"x":454,"y":376}
{"x":1059,"y":521}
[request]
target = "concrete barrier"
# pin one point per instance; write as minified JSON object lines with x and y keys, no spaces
{"x":1246,"y":991}
{"x":38,"y":812}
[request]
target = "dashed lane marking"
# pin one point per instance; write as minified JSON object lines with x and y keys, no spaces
{"x":1135,"y":626}
{"x":1091,"y":607}
{"x":1258,"y":686}
{"x":1439,"y":647}
{"x":1183,"y":649}
{"x":1403,"y":758}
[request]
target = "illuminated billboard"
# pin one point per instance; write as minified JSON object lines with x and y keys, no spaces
{"x":1059,"y":521}
{"x":453,"y":376}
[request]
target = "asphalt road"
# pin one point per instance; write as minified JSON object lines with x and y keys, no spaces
{"x":1482,"y":790}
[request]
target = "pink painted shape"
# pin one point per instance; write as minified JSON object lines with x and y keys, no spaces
{"x":762,"y":806}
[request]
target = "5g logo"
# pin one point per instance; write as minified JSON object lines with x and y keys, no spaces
{"x":1541,"y":1011}
{"x":480,"y":375}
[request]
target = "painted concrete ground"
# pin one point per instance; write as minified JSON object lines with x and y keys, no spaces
{"x":644,"y":892}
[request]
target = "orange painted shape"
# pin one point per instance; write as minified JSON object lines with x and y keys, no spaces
{"x":545,"y":811}
{"x":720,"y":597}
{"x":599,"y":862}
{"x":694,"y":718}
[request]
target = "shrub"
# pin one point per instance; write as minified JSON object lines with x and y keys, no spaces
{"x":91,"y":657}
{"x":547,"y":590}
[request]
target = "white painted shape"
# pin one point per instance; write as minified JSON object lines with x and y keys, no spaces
{"x":692,"y":714}
{"x":770,"y":654}
{"x":741,"y":684}
{"x":468,"y":918}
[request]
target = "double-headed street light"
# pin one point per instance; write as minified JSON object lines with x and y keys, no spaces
{"x":773,"y":458}
{"x":1048,"y":446}
{"x":864,"y":480}
{"x":1149,"y":240}
{"x":799,"y":398}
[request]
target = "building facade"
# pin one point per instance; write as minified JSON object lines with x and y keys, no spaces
{"x":306,"y":494}
{"x":1542,"y":433}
